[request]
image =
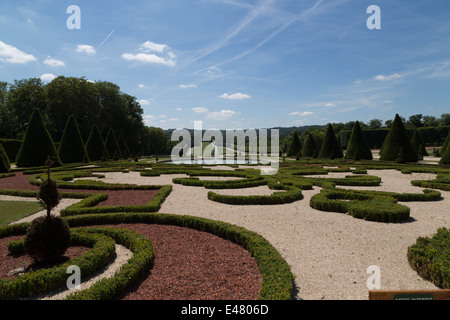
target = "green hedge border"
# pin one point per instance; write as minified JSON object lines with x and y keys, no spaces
{"x":430,"y":257}
{"x":36,"y":282}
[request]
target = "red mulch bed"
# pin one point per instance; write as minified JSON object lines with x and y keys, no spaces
{"x":194,"y":265}
{"x":10,"y":262}
{"x":115,"y":197}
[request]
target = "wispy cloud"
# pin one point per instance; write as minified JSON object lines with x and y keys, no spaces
{"x":47,"y":77}
{"x":144,"y":102}
{"x":11,"y":54}
{"x":235,"y":96}
{"x":184,"y":86}
{"x":301,"y":114}
{"x":199,"y":110}
{"x":381,"y":77}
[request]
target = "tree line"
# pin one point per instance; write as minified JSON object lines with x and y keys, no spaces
{"x":99,"y":103}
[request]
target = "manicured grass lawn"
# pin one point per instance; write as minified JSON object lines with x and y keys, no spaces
{"x":14,"y":210}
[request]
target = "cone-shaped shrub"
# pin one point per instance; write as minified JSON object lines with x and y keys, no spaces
{"x":295,"y":147}
{"x":446,"y":144}
{"x":72,"y":147}
{"x":95,"y":146}
{"x":309,"y":146}
{"x":5,"y":165}
{"x":396,"y":139}
{"x":330,"y":146}
{"x":37,"y":144}
{"x":357,"y":147}
{"x":445,"y":157}
{"x":111,"y":144}
{"x":124,"y":148}
{"x":418,"y":145}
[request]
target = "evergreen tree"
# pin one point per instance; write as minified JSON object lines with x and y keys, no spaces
{"x":357,"y":147}
{"x":396,"y":139}
{"x":418,"y":145}
{"x":72,"y":147}
{"x":446,"y":144}
{"x":445,"y":157}
{"x":309,"y":146}
{"x":124,"y":148}
{"x":37,"y":144}
{"x":5,"y":165}
{"x":95,"y":146}
{"x":330,"y":146}
{"x":111,"y":144}
{"x":295,"y":146}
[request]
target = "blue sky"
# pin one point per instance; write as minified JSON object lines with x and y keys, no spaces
{"x":242,"y":64}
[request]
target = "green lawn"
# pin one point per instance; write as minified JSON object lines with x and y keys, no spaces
{"x":14,"y":210}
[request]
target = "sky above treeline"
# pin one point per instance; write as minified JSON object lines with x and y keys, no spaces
{"x":241,"y":63}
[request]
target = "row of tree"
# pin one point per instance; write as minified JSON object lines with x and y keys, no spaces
{"x":396,"y":147}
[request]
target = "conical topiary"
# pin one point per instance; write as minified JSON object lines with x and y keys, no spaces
{"x":295,"y":147}
{"x":357,"y":147}
{"x":446,"y":144}
{"x":124,"y":148}
{"x":37,"y":144}
{"x":95,"y":146}
{"x":111,"y":144}
{"x":397,"y":138}
{"x":72,"y":147}
{"x":309,"y":146}
{"x":418,"y":145}
{"x":445,"y":157}
{"x":330,"y":146}
{"x":5,"y":165}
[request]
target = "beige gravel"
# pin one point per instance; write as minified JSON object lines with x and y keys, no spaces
{"x":328,"y":252}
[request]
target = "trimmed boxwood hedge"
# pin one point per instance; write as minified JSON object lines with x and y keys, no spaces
{"x":276,"y":198}
{"x":430,"y":257}
{"x":41,"y":281}
{"x":371,"y":207}
{"x":276,"y":273}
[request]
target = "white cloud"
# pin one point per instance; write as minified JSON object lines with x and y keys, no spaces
{"x":11,"y":54}
{"x":85,"y":48}
{"x":329,"y":104}
{"x":165,"y":57}
{"x":173,"y":119}
{"x":47,"y":77}
{"x":54,"y":63}
{"x":235,"y":96}
{"x":141,"y":85}
{"x":380,"y":77}
{"x":183,"y":86}
{"x":199,"y":110}
{"x":179,"y":109}
{"x":221,"y":115}
{"x":388,"y":101}
{"x":144,"y":102}
{"x":148,"y":119}
{"x":301,"y":114}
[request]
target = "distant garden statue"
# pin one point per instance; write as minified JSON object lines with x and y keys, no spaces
{"x":47,"y":237}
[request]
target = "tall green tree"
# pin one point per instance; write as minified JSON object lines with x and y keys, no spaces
{"x":309,"y":146}
{"x":37,"y":144}
{"x":418,"y":144}
{"x":95,"y":146}
{"x":295,"y":146}
{"x":68,"y":96}
{"x":156,"y":141}
{"x":357,"y":147}
{"x":330,"y":146}
{"x":397,"y":144}
{"x":112,"y":145}
{"x":71,"y":148}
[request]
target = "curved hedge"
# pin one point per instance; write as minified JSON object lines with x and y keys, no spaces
{"x":276,"y":198}
{"x":430,"y":257}
{"x":371,"y":207}
{"x":45,"y":280}
{"x":277,"y":276}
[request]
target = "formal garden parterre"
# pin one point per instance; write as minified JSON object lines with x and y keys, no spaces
{"x":81,"y":178}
